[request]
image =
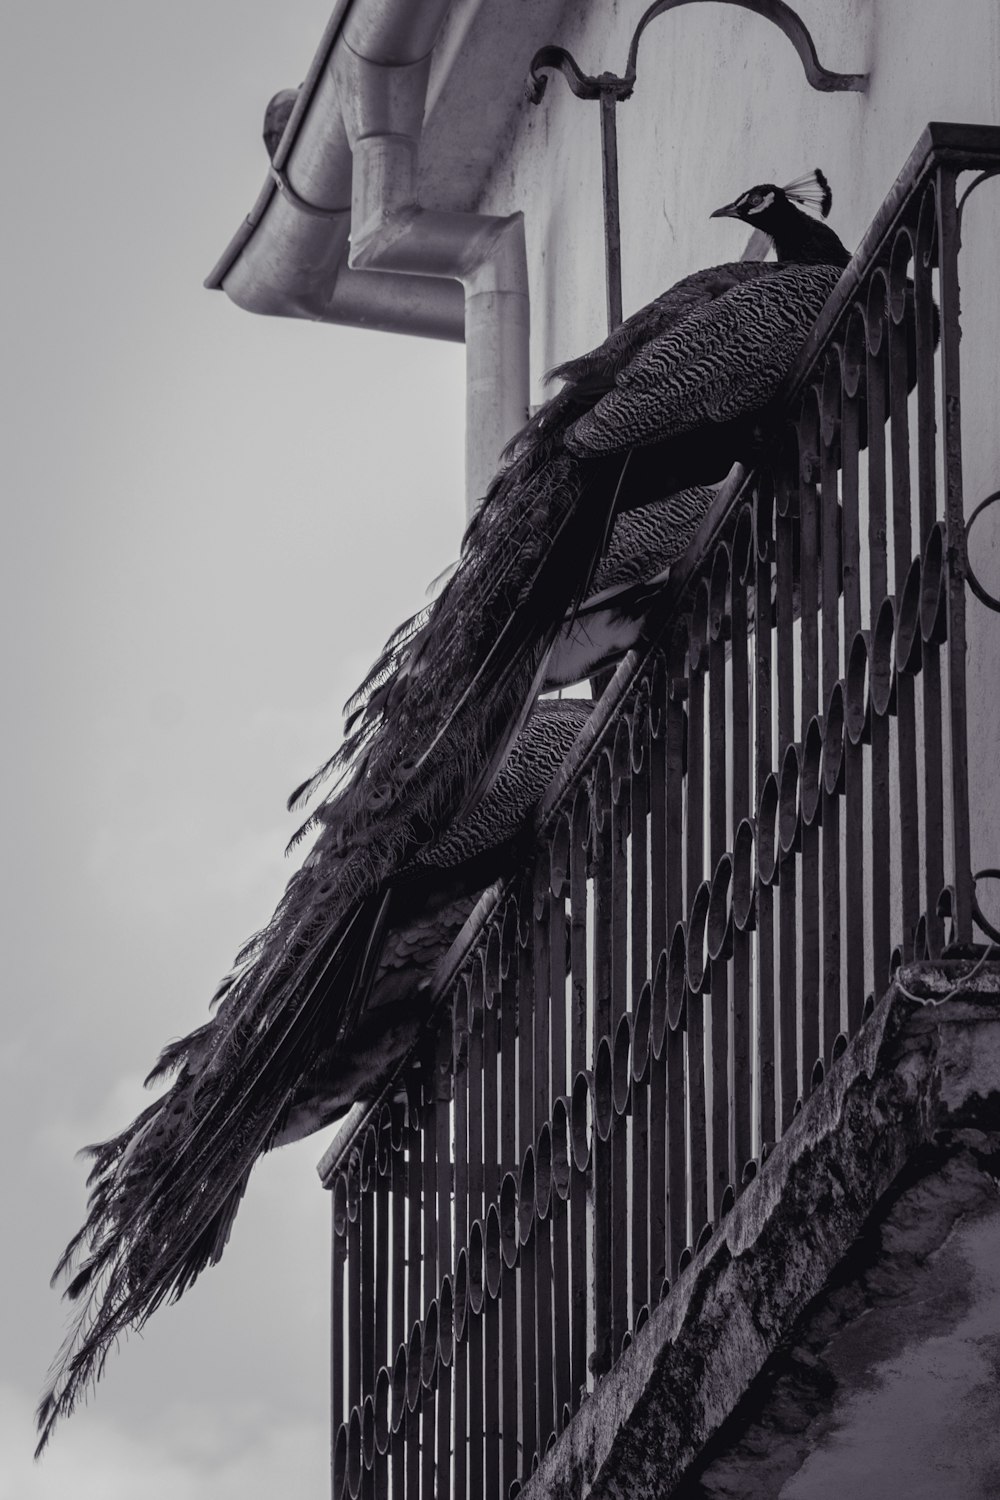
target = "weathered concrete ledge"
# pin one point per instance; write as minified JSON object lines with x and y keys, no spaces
{"x":928,"y":1060}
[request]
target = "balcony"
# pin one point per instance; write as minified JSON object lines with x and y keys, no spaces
{"x":767,"y":820}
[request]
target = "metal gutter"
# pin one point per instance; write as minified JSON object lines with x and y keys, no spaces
{"x":338,"y":234}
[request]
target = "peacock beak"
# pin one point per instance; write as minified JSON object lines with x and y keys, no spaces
{"x":731,"y":211}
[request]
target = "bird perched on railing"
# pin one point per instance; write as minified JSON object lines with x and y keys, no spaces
{"x":682,"y":389}
{"x":668,"y":402}
{"x":133,"y":1207}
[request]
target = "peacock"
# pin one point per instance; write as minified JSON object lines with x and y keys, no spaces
{"x":670,"y":400}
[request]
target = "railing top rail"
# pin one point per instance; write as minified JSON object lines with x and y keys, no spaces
{"x":941,"y":143}
{"x":960,"y":147}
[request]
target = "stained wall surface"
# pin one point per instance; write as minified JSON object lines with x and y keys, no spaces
{"x":890,"y":1386}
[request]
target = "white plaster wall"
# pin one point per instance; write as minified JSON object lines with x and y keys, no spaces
{"x":721,"y":103}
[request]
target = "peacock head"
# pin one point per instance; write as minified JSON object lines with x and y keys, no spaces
{"x":775,"y":211}
{"x":766,"y":202}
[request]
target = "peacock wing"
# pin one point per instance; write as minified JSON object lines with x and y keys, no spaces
{"x":726,"y":359}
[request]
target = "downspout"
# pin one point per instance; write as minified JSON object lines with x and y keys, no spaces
{"x":381,"y":74}
{"x":348,"y":177}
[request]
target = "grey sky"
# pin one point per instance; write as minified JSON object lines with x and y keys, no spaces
{"x":211,"y":523}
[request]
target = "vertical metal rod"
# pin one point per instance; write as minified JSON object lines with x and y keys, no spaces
{"x":612,"y":218}
{"x":398,"y":1330}
{"x":542,"y":1109}
{"x":949,"y":242}
{"x":354,"y":1295}
{"x":924,"y":314}
{"x":656,"y":775}
{"x":677,"y":1235}
{"x":558,"y":955}
{"x":383,"y":1266}
{"x":339,"y":1329}
{"x":443,"y":1164}
{"x":414,"y":1189}
{"x":460,"y":1025}
{"x":899,"y":432}
{"x":695,"y":854}
{"x":673,"y":1187}
{"x":740,"y":1064}
{"x":718,"y":761}
{"x":639,"y":806}
{"x":854,"y":830}
{"x":525,"y":1120}
{"x":619,"y":1004}
{"x":603,"y":1355}
{"x":369,"y":1296}
{"x":428,"y":1402}
{"x":508,"y":1160}
{"x":809,"y":984}
{"x":367,"y":1217}
{"x":785,"y":528}
{"x":491,"y":1190}
{"x":476,"y":1211}
{"x":764,"y":552}
{"x":580,"y":980}
{"x":878,"y":587}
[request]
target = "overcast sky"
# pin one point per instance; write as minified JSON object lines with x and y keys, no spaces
{"x":211,"y":523}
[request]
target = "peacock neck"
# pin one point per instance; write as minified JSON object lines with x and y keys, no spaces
{"x":801,"y":240}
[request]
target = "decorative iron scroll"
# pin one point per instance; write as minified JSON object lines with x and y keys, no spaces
{"x":982,"y":594}
{"x":612,"y":90}
{"x":773,"y":817}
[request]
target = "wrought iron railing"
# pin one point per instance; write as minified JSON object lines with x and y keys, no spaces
{"x":769,"y":812}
